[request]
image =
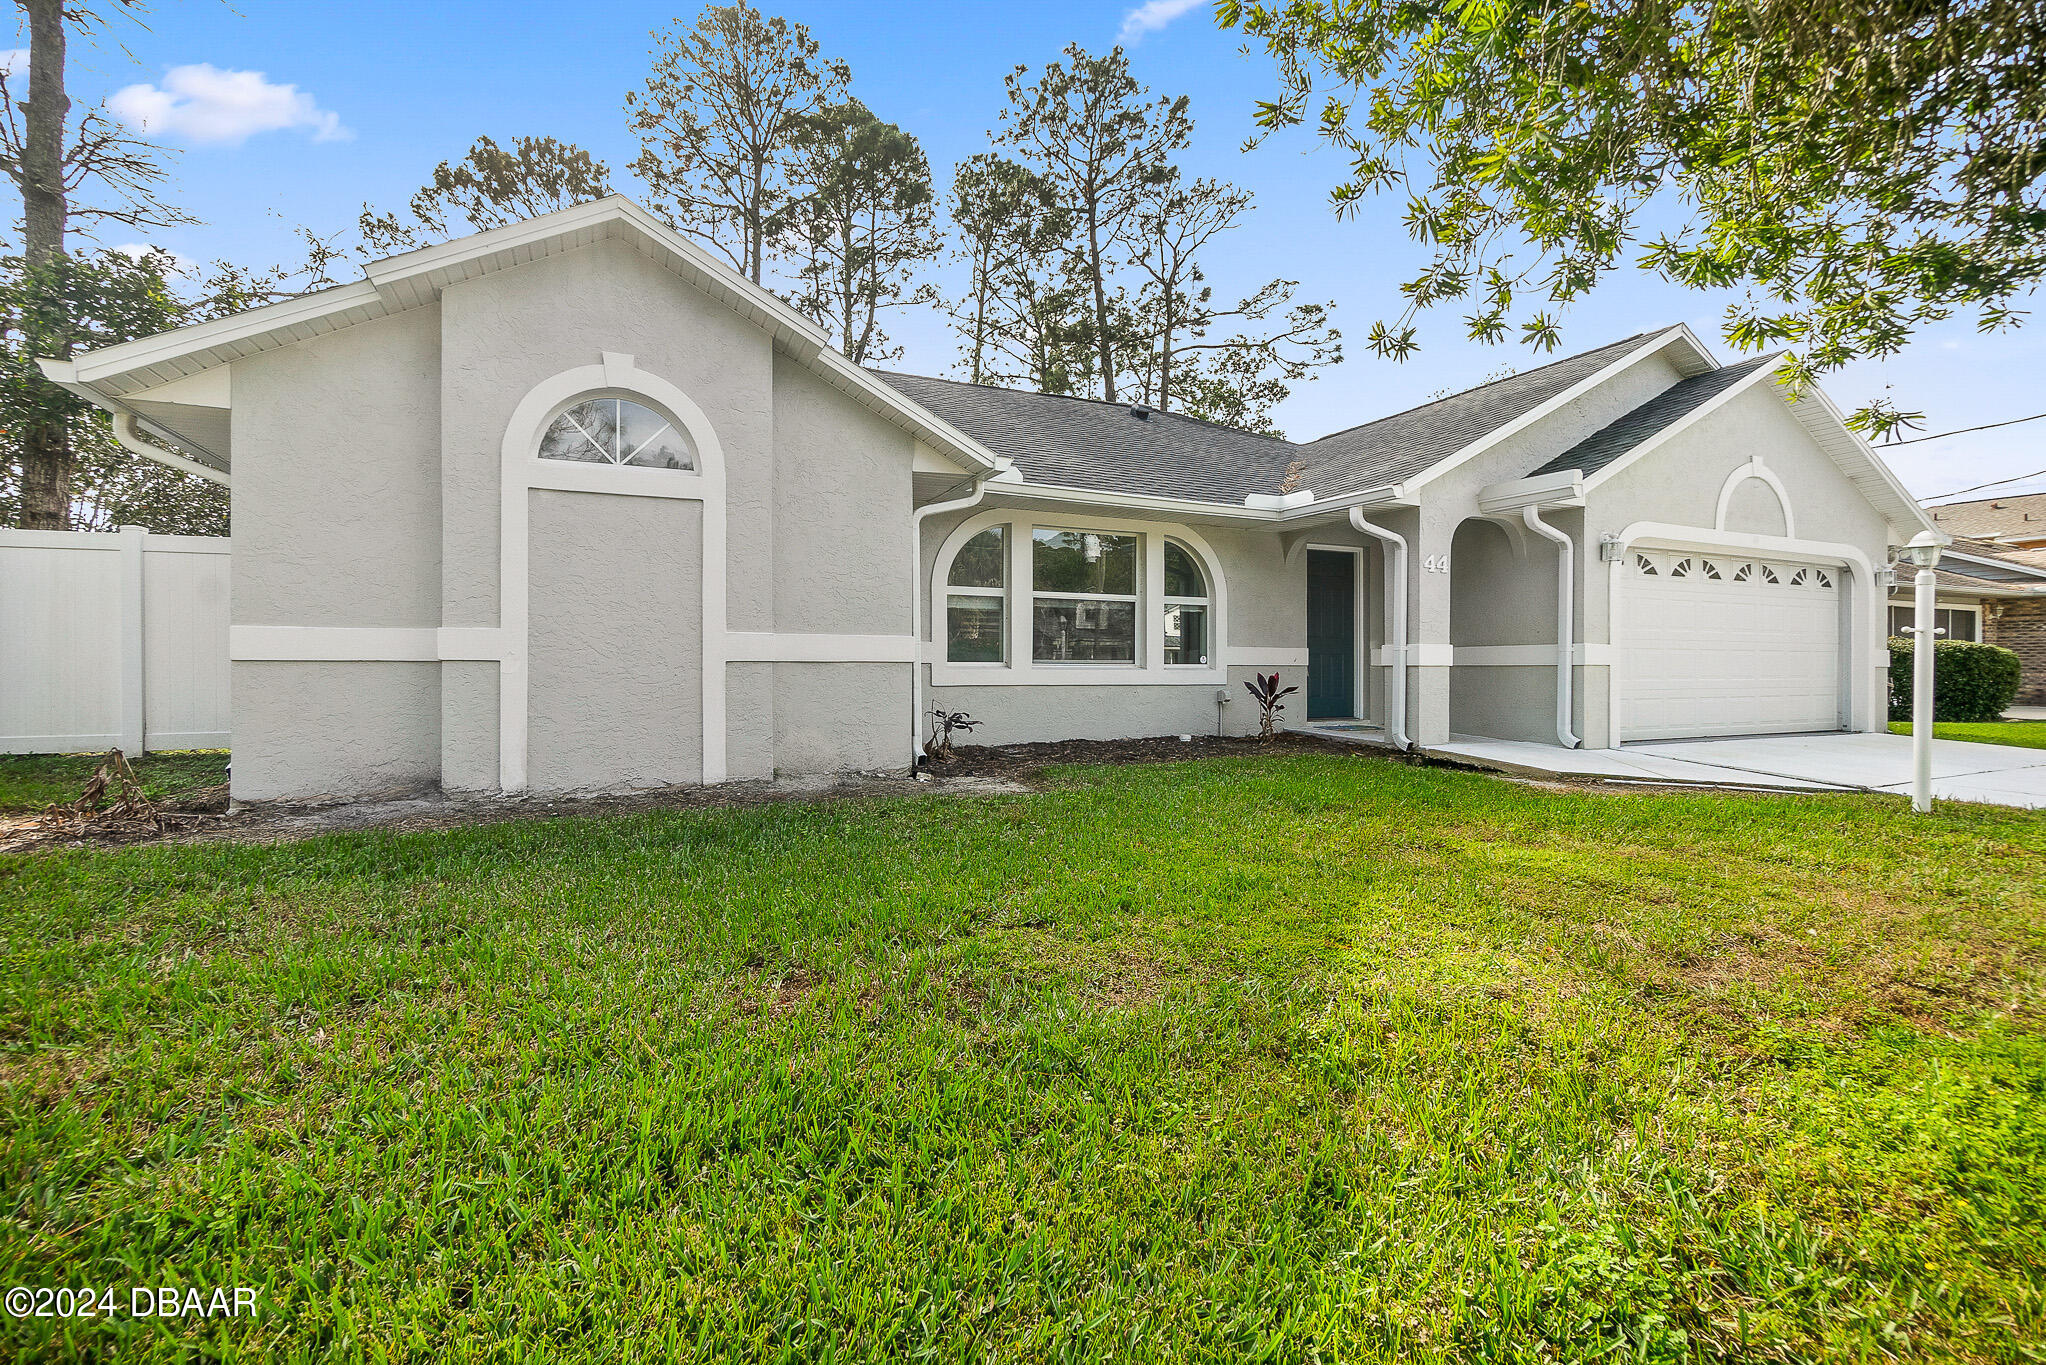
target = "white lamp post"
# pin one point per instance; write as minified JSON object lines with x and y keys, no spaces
{"x":1924,"y":552}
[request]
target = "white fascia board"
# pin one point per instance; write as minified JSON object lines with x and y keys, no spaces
{"x":1279,"y":502}
{"x":2027,"y":570}
{"x":1383,"y":498}
{"x":1816,"y":409}
{"x":1674,"y":336}
{"x":1689,"y":419}
{"x":1185,"y":509}
{"x":95,"y":366}
{"x":1564,"y":488}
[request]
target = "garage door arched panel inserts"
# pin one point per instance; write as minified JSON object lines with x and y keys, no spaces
{"x":1838,"y":603}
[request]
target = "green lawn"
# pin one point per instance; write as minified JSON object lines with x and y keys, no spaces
{"x":1290,"y":1058}
{"x":29,"y":782}
{"x":2025,"y":734}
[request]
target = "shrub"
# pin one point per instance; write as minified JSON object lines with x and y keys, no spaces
{"x":1971,"y":682}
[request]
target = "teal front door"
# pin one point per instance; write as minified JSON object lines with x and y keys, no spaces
{"x":1331,"y":634}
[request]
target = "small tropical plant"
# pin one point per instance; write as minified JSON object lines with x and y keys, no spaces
{"x":943,"y":723}
{"x":1265,"y":691}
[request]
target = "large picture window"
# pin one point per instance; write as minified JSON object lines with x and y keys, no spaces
{"x":974,"y":600}
{"x":1083,"y":597}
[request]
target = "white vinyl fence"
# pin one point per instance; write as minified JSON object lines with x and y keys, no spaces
{"x":115,"y":638}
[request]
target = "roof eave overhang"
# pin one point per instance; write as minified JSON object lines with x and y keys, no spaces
{"x":1389,"y":496}
{"x":417,"y":278}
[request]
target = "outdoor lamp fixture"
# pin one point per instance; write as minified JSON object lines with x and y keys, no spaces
{"x":1924,"y":552}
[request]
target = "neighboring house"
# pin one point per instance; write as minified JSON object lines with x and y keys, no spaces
{"x":1992,"y":581}
{"x":570,"y":505}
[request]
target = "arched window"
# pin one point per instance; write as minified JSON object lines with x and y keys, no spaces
{"x":975,"y":618}
{"x":1186,"y":607}
{"x":1682,"y":569}
{"x":1645,"y":564}
{"x":616,"y":431}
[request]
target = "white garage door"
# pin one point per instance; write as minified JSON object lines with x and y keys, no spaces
{"x":1716,"y":645}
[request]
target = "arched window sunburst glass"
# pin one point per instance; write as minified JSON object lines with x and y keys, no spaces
{"x":616,"y":431}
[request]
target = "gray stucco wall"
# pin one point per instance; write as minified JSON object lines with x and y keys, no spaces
{"x":337,"y":508}
{"x":616,"y":689}
{"x":841,"y":512}
{"x":368,"y":481}
{"x":841,"y":717}
{"x":312,"y":731}
{"x":1033,"y":715}
{"x":337,"y":478}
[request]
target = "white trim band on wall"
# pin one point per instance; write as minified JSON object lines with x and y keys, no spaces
{"x":1263,"y":656}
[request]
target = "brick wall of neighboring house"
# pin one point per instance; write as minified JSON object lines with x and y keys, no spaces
{"x":2021,"y":627}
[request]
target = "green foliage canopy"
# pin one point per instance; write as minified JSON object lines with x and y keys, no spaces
{"x":1859,"y":168}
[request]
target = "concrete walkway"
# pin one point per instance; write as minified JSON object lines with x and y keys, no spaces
{"x":1994,"y":773}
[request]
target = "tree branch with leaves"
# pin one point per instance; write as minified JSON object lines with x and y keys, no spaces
{"x":1858,"y":169}
{"x":716,"y":122}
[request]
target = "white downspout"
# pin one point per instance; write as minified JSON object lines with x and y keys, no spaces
{"x":1566,"y":621}
{"x":916,"y":612}
{"x":1395,"y":626}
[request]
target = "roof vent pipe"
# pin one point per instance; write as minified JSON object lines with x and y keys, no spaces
{"x":1566,"y":621}
{"x":1140,"y":411}
{"x":1395,"y":626}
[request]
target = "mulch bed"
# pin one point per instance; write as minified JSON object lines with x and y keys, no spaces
{"x":1026,"y":761}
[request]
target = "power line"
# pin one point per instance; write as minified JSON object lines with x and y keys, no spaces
{"x":1986,"y":426}
{"x":1996,"y":483}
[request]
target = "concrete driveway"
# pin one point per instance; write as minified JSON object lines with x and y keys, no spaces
{"x":1997,"y":773}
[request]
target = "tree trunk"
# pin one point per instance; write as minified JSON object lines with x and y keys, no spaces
{"x":1102,"y":347}
{"x":46,"y":455}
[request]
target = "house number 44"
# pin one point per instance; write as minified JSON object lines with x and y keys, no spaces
{"x":1436,"y":563}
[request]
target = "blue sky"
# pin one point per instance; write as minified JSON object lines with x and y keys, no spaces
{"x":378,"y":93}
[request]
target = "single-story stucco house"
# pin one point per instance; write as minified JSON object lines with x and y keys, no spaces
{"x":1992,"y":581}
{"x":569,"y":505}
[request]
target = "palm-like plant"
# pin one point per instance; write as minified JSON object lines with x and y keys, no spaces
{"x":1265,"y":691}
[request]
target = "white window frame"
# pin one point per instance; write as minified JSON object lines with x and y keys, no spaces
{"x":1019,"y":667}
{"x":941,"y":625}
{"x":1166,"y":600}
{"x":1135,"y":599}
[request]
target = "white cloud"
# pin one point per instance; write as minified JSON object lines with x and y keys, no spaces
{"x":202,"y":103}
{"x":13,"y":59}
{"x":1153,"y":15}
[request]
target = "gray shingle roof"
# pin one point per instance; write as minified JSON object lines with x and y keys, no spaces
{"x":1399,"y":447}
{"x":1086,"y":443}
{"x":1665,"y":410}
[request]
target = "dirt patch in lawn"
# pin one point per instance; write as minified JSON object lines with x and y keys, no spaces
{"x":972,"y":771}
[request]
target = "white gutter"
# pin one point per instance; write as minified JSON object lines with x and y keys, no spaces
{"x":916,"y":612}
{"x":129,"y":434}
{"x":1396,"y":625}
{"x":1566,"y":624}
